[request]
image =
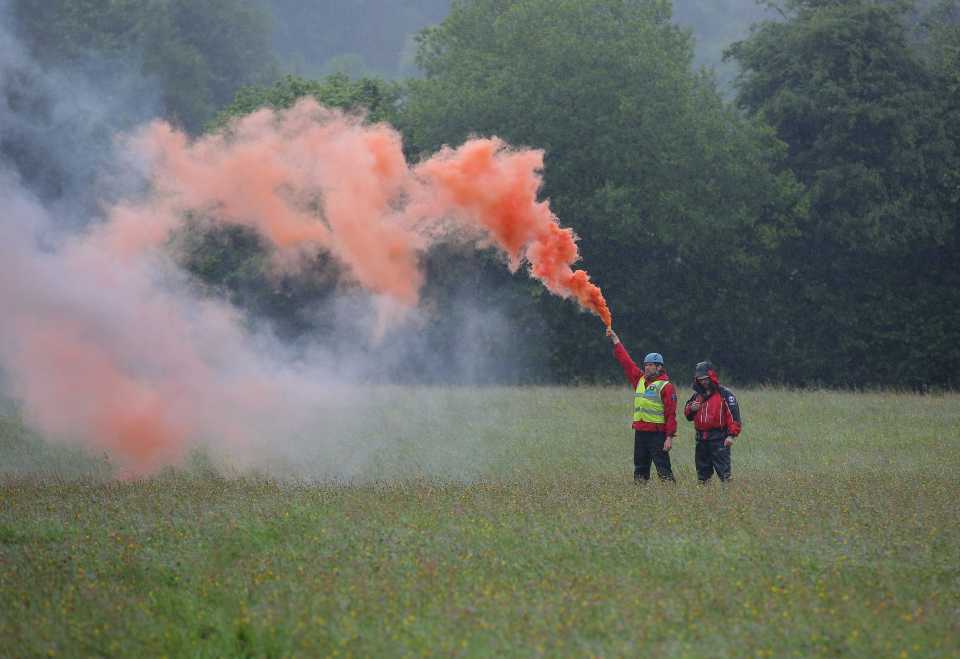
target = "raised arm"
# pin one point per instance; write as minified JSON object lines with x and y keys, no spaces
{"x":631,"y":370}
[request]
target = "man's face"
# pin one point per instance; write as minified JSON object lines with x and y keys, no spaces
{"x":704,"y":381}
{"x":651,"y":370}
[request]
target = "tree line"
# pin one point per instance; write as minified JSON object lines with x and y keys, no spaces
{"x":804,"y":232}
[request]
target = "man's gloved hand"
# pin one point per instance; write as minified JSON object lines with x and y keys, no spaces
{"x":728,"y":442}
{"x":613,"y":336}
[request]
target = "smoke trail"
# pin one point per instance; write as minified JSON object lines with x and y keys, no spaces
{"x":486,"y":183}
{"x":310,"y":179}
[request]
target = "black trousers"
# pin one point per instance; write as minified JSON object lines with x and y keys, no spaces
{"x":647,"y":448}
{"x":711,"y":455}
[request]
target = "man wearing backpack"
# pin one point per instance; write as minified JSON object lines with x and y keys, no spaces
{"x":715,"y":413}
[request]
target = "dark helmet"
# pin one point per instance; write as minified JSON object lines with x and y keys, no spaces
{"x":703,"y":370}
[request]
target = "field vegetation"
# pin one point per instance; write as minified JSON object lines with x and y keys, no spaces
{"x":512,"y":529}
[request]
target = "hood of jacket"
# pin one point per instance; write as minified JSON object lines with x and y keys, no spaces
{"x":663,"y":376}
{"x":713,"y":378}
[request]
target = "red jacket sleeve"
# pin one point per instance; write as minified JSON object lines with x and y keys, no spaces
{"x":734,"y":425}
{"x":669,"y":396}
{"x":631,"y":370}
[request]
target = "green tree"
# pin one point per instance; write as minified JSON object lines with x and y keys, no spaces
{"x":867,"y":276}
{"x":379,"y":99}
{"x":232,"y":263}
{"x":674,"y":194}
{"x":940,"y":43}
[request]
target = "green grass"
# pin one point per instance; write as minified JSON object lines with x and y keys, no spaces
{"x":504,"y":521}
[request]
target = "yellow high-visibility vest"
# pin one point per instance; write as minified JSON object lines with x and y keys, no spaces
{"x":647,"y":403}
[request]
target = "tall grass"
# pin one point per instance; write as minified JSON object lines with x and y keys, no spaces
{"x":503,"y":521}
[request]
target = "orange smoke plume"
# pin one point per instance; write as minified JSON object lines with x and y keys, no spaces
{"x":310,"y":179}
{"x":306,"y":179}
{"x":496,"y":188}
{"x":109,"y":348}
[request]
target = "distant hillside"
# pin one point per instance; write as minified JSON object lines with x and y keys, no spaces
{"x":350,"y":36}
{"x":376,"y":36}
{"x":716,"y":24}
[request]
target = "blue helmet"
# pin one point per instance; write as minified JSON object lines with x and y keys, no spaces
{"x":653,"y":358}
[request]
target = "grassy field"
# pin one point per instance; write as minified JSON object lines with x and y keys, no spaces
{"x":510,"y":527}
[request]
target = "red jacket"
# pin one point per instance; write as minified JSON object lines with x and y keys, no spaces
{"x":668,"y":394}
{"x":719,"y":413}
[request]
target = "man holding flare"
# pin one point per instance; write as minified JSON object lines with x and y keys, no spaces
{"x":654,"y":411}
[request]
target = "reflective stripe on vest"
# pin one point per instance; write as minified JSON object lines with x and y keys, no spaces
{"x":647,"y":403}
